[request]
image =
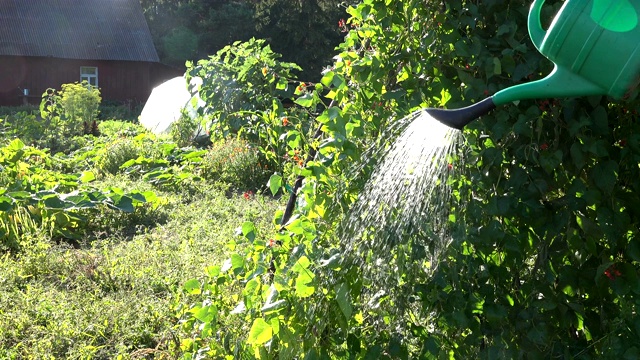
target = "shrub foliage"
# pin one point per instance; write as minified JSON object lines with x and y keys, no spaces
{"x":544,"y":258}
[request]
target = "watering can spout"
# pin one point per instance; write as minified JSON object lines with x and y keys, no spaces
{"x":560,"y":83}
{"x":458,"y":118}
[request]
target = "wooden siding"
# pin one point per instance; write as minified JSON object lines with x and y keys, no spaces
{"x":117,"y":80}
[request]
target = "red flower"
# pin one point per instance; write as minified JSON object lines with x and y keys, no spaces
{"x":271,"y":243}
{"x":612,"y":272}
{"x":285,"y":121}
{"x":544,"y":146}
{"x":450,"y":166}
{"x":342,"y":25}
{"x":247,"y":194}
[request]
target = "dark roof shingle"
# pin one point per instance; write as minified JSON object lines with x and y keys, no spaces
{"x":76,"y":29}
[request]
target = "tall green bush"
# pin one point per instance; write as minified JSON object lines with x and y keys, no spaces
{"x":243,"y":89}
{"x":71,"y":109}
{"x":80,"y":103}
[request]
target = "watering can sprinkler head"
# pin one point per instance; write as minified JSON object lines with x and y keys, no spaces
{"x":459,"y":118}
{"x":595,"y":46}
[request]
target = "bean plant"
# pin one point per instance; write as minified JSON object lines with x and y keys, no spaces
{"x":544,"y":220}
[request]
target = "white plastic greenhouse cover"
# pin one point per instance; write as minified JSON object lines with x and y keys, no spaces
{"x":165,"y":104}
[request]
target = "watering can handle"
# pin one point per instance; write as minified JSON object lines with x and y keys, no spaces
{"x":536,"y":32}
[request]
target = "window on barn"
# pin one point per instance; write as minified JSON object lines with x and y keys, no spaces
{"x":90,"y":74}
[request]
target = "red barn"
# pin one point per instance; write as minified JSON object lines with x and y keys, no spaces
{"x":47,"y":43}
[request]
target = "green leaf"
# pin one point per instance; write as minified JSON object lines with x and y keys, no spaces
{"x":281,"y":84}
{"x":249,"y":230}
{"x":125,"y":204}
{"x":192,"y":287}
{"x":344,"y":301}
{"x":303,"y":289}
{"x":206,"y":314}
{"x":6,"y":203}
{"x":19,"y":194}
{"x":605,"y":175}
{"x":54,"y":202}
{"x":495,"y":312}
{"x":444,"y":97}
{"x":237,"y":262}
{"x":15,"y":145}
{"x":327,"y":79}
{"x":275,"y":183}
{"x":497,"y":66}
{"x":213,"y":271}
{"x":305,"y":100}
{"x":301,"y":265}
{"x":260,"y":332}
{"x":87,"y":176}
{"x":577,"y":155}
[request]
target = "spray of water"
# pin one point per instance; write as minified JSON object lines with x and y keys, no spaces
{"x":399,"y":223}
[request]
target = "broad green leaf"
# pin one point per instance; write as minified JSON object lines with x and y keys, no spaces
{"x":87,"y":176}
{"x":301,"y":265}
{"x":344,"y":301}
{"x":237,"y":262}
{"x":54,"y":202}
{"x":249,"y":230}
{"x":138,"y":197}
{"x":192,"y":287}
{"x":305,"y":100}
{"x":149,"y":196}
{"x":275,"y":183}
{"x":213,"y":271}
{"x":497,"y":66}
{"x":605,"y":175}
{"x":194,"y":154}
{"x":6,"y":203}
{"x":303,"y":284}
{"x":125,"y":204}
{"x":15,"y":145}
{"x":294,"y":139}
{"x":260,"y":332}
{"x":327,"y":79}
{"x":206,"y":313}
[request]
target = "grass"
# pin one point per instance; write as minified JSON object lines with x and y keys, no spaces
{"x":114,"y":296}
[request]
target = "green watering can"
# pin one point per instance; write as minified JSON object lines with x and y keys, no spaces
{"x":595,"y":46}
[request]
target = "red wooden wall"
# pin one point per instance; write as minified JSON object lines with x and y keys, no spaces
{"x":117,"y":80}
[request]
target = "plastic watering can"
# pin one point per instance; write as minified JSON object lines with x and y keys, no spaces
{"x":595,"y":46}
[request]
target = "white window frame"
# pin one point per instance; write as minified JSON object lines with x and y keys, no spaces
{"x":90,"y":74}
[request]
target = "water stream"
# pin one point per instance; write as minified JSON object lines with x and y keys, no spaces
{"x":399,"y":223}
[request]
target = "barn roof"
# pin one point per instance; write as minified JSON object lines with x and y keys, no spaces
{"x":76,"y":29}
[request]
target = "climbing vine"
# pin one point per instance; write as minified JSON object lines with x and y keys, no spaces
{"x":544,"y":256}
